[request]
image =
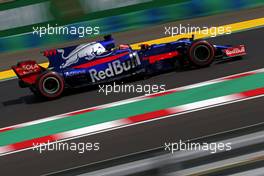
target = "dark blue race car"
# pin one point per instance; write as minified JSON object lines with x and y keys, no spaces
{"x":101,"y":62}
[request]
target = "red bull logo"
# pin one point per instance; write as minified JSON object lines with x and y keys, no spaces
{"x":87,"y":51}
{"x":235,"y":51}
{"x":115,"y":68}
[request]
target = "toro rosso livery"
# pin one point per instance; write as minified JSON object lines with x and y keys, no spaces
{"x":100,"y":62}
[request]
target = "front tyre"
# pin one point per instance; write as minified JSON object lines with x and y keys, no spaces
{"x":50,"y":85}
{"x":201,"y":53}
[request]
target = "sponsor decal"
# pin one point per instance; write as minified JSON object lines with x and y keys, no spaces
{"x":115,"y":68}
{"x":87,"y":51}
{"x":235,"y":51}
{"x":74,"y":73}
{"x":30,"y":67}
{"x":27,"y":68}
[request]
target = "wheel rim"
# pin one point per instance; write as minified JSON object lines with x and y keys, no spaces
{"x":202,"y":53}
{"x":51,"y":85}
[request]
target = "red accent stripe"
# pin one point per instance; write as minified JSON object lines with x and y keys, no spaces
{"x":29,"y":143}
{"x":239,"y":76}
{"x":153,"y":59}
{"x":81,"y":111}
{"x":6,"y":129}
{"x":252,"y":93}
{"x":148,"y":116}
{"x":100,"y":61}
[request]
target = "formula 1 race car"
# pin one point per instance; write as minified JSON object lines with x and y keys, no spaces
{"x":101,"y":62}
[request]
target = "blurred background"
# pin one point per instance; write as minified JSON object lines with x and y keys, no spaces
{"x":19,"y":16}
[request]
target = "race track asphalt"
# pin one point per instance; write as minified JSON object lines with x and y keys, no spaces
{"x":19,"y":105}
{"x":137,"y":138}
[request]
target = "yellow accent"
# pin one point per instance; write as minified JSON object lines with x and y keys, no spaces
{"x":7,"y":74}
{"x":234,"y":27}
{"x":45,"y":65}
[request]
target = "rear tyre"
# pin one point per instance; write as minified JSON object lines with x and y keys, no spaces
{"x":50,"y":85}
{"x":201,"y":53}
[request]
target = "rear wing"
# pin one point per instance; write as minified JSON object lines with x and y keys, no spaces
{"x":28,"y":71}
